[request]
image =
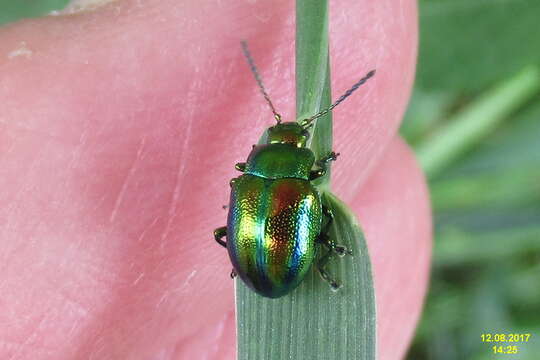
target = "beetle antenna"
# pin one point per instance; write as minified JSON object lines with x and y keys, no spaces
{"x":308,"y":122}
{"x":258,"y":78}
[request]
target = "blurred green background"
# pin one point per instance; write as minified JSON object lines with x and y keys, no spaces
{"x":11,"y":10}
{"x":474,"y":121}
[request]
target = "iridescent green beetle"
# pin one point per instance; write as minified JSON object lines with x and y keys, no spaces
{"x":276,"y":218}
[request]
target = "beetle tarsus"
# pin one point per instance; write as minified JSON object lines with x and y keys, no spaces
{"x":323,"y":164}
{"x":341,"y":251}
{"x":330,"y":157}
{"x":335,"y":286}
{"x":321,"y":267}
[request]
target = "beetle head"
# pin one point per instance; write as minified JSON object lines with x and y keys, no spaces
{"x":288,"y":133}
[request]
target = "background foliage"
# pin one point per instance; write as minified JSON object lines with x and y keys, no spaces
{"x":486,"y":202}
{"x":11,"y":10}
{"x":486,"y":269}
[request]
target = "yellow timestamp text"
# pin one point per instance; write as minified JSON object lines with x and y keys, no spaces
{"x":502,"y":337}
{"x":500,"y":349}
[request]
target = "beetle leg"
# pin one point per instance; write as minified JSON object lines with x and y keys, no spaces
{"x":321,"y":266}
{"x":241,"y":166}
{"x":314,"y":174}
{"x":331,"y":249}
{"x":340,"y":250}
{"x":220,"y":233}
{"x":323,"y":164}
{"x":330,"y":157}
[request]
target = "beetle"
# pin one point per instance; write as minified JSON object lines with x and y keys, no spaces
{"x":276,"y":217}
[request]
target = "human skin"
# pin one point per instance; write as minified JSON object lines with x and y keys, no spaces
{"x":119,"y":131}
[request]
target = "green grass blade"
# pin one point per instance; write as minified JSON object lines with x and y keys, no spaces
{"x":313,"y":75}
{"x":311,"y":56}
{"x":314,"y":322}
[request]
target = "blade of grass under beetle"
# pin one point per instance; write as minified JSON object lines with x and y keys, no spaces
{"x":313,"y":322}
